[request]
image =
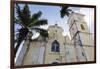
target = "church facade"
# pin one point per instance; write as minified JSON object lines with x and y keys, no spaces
{"x":58,"y":48}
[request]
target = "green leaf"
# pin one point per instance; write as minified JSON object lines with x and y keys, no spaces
{"x":39,"y":23}
{"x":35,"y":17}
{"x":65,"y":11}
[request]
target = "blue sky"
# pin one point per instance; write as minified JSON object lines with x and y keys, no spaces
{"x":52,"y":14}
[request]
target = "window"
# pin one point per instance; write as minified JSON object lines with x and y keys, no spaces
{"x":55,"y":63}
{"x":55,"y":30}
{"x":82,"y":53}
{"x":55,"y":46}
{"x":82,"y":27}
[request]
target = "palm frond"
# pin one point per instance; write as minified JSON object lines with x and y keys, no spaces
{"x":19,"y":13}
{"x":42,"y":32}
{"x":35,"y":17}
{"x":26,"y":15}
{"x":23,"y":15}
{"x":17,"y":21}
{"x":65,"y":11}
{"x":39,"y":22}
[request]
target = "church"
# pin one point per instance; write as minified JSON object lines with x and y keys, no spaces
{"x":58,"y":48}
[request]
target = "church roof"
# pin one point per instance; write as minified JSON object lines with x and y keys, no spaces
{"x":53,"y":26}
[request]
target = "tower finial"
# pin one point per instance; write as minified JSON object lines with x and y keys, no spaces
{"x":56,"y":23}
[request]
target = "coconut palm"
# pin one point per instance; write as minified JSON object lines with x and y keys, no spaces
{"x":28,"y":23}
{"x":65,"y":11}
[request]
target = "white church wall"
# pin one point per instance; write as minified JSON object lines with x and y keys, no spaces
{"x":41,"y":55}
{"x":86,"y":39}
{"x":89,"y":52}
{"x":35,"y":54}
{"x":70,"y":53}
{"x":79,"y":51}
{"x":31,"y":55}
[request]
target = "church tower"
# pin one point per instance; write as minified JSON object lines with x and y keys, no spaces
{"x":55,"y":49}
{"x":82,"y":38}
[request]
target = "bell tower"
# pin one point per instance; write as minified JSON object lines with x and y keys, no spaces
{"x":82,"y":38}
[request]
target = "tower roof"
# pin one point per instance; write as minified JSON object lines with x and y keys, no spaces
{"x":73,"y":15}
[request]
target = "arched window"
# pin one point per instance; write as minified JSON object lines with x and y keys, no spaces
{"x":82,"y":27}
{"x":55,"y":46}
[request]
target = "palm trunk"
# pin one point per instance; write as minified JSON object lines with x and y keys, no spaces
{"x":24,"y":34}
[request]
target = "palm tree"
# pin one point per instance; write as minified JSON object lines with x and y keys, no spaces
{"x":28,"y":23}
{"x":65,"y":11}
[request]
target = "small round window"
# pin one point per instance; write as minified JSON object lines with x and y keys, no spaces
{"x":82,"y":27}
